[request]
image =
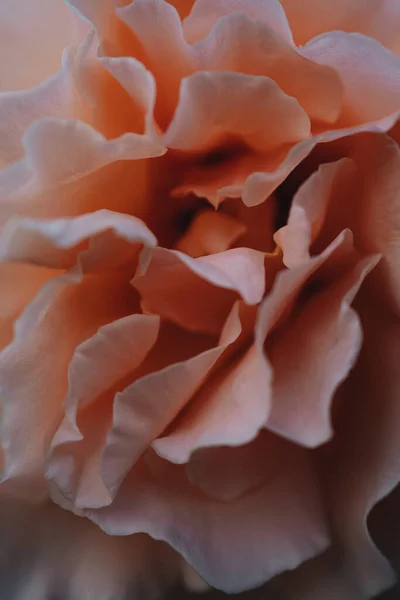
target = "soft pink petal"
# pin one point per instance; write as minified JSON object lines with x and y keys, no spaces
{"x":370,"y":74}
{"x":33,"y":35}
{"x":56,"y":243}
{"x":230,"y":410}
{"x":232,"y":545}
{"x":250,"y":46}
{"x":206,"y":13}
{"x":198,"y":293}
{"x":56,"y":96}
{"x":215,"y":106}
{"x":309,"y":209}
{"x":158,"y":27}
{"x":96,"y":368}
{"x":379,"y":20}
{"x":209,"y":233}
{"x":329,"y":334}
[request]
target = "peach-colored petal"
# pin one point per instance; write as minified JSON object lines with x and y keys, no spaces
{"x":230,"y":410}
{"x":138,"y":82}
{"x":198,"y":293}
{"x":158,"y":27}
{"x":309,"y":208}
{"x":209,"y":233}
{"x":96,"y":367}
{"x":218,"y":105}
{"x":206,"y":13}
{"x":55,"y":96}
{"x":57,"y":243}
{"x":370,"y":74}
{"x":227,"y":472}
{"x":365,"y":467}
{"x":51,"y":553}
{"x":59,"y":153}
{"x":232,"y":545}
{"x":250,"y":46}
{"x":64,"y":314}
{"x":379,"y":20}
{"x":145,"y":408}
{"x":33,"y":35}
{"x":329,"y":334}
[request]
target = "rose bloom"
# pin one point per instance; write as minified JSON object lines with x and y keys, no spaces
{"x":199,"y":319}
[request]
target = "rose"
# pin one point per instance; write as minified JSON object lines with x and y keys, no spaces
{"x":191,"y":308}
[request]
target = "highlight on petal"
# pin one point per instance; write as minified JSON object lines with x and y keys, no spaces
{"x":55,"y":96}
{"x":370,"y":74}
{"x":57,"y":243}
{"x":250,"y":46}
{"x":218,"y":105}
{"x":379,"y":20}
{"x":233,"y":545}
{"x":206,"y":13}
{"x":198,"y":293}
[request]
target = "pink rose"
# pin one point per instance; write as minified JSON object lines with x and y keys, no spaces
{"x":200,"y":271}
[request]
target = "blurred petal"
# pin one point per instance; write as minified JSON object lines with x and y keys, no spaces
{"x":235,"y":545}
{"x":206,"y":13}
{"x":379,"y":20}
{"x":33,"y":35}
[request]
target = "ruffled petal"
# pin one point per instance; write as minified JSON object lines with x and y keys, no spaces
{"x":206,"y":13}
{"x":158,"y":28}
{"x":95,"y":371}
{"x":250,"y":46}
{"x":232,"y":545}
{"x":62,"y":314}
{"x":370,"y":75}
{"x":329,"y":334}
{"x":379,"y":20}
{"x":198,"y":293}
{"x":213,"y":107}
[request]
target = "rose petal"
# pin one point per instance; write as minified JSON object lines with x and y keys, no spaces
{"x":198,"y":293}
{"x":329,"y":334}
{"x":158,"y":27}
{"x":309,"y":208}
{"x":62,"y":313}
{"x":250,"y":46}
{"x":210,"y":232}
{"x":214,"y":106}
{"x":206,"y":13}
{"x":145,"y":408}
{"x":57,"y":243}
{"x":96,"y":368}
{"x":369,"y":72}
{"x":379,"y":20}
{"x":232,"y":545}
